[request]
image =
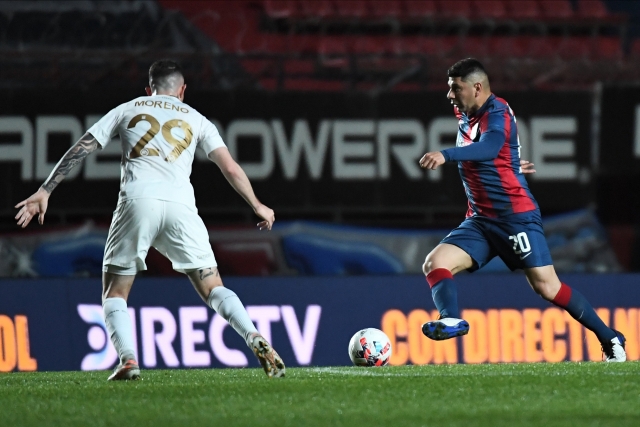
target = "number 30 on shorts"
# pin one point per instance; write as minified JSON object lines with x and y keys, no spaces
{"x":520,"y":243}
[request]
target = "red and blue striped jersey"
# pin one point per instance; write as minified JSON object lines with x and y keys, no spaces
{"x":488,"y":155}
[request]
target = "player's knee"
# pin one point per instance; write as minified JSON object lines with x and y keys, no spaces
{"x":545,"y":289}
{"x":432,"y":262}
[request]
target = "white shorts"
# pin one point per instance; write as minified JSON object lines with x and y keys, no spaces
{"x":174,"y":229}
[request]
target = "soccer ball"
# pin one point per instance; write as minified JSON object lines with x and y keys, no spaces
{"x":370,"y":347}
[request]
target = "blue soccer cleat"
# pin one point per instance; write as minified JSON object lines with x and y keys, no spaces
{"x":443,"y":329}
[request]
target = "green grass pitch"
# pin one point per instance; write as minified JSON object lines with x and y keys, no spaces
{"x":563,"y":394}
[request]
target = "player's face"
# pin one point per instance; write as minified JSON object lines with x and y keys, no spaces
{"x":461,"y":94}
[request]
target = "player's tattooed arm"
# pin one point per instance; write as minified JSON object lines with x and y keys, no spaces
{"x":38,"y":202}
{"x":206,"y":272}
{"x":76,"y":154}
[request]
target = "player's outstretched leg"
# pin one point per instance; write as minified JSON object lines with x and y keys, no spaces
{"x":546,"y":283}
{"x":445,"y":297}
{"x":227,"y":304}
{"x":579,"y":308}
{"x":118,"y":322}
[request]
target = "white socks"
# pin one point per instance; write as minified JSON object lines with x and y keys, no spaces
{"x":223,"y":300}
{"x":118,"y":322}
{"x":227,"y":304}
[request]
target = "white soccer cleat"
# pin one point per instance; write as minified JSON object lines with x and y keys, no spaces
{"x":126,"y":371}
{"x":614,"y":350}
{"x":270,"y":360}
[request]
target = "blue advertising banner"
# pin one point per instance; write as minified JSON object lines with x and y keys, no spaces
{"x":57,"y":324}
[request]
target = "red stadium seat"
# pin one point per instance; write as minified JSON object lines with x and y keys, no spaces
{"x":505,"y":46}
{"x":556,"y":9}
{"x":314,"y":85}
{"x":367,"y":45}
{"x":546,"y":47}
{"x":523,"y":9}
{"x":385,"y":9}
{"x":420,"y":9}
{"x":431,"y":45}
{"x":608,"y":48}
{"x":493,"y":9}
{"x":299,"y":66}
{"x":352,"y":9}
{"x":454,"y":9}
{"x":538,"y":47}
{"x":448,"y":45}
{"x":280,"y":9}
{"x":418,"y":45}
{"x":592,"y":9}
{"x":476,"y":47}
{"x":319,"y":9}
{"x":333,"y":52}
{"x":303,"y":43}
{"x":381,"y":54}
{"x":575,"y":48}
{"x":634,"y":51}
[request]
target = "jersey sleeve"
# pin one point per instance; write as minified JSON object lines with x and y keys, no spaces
{"x":498,"y":119}
{"x":107,"y":127}
{"x":210,"y":138}
{"x":491,"y":140}
{"x":487,"y":148}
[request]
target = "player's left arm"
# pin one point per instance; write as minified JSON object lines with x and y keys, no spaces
{"x":240,"y":182}
{"x":487,"y":148}
{"x":39,"y":201}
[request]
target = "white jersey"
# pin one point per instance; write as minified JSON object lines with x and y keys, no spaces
{"x":159,"y":136}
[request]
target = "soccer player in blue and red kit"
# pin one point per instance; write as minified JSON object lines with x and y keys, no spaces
{"x":503,"y":217}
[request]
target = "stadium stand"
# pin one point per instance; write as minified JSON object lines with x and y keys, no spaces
{"x":314,"y":45}
{"x":45,"y":42}
{"x":382,"y":41}
{"x":309,"y":45}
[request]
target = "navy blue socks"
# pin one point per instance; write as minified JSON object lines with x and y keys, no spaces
{"x":579,"y":308}
{"x":444,"y":292}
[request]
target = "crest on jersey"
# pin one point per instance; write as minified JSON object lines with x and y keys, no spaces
{"x":474,"y":132}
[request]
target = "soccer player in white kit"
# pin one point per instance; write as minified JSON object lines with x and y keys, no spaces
{"x":156,"y":207}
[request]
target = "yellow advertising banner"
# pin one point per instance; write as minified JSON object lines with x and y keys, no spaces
{"x":507,"y":335}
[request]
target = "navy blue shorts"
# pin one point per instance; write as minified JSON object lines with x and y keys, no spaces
{"x":517,"y":239}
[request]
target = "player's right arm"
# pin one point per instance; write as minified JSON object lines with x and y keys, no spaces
{"x":39,"y":201}
{"x":240,"y":182}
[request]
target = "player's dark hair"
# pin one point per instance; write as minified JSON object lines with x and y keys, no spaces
{"x":161,"y":71}
{"x":465,"y":67}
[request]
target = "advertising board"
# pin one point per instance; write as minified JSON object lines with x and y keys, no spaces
{"x":57,"y":324}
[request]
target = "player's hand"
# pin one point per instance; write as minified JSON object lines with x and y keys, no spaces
{"x":432,"y":160}
{"x":267,"y":215}
{"x":526,"y":167}
{"x":36,"y":204}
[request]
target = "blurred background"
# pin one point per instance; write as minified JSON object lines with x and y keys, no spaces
{"x":327,"y":105}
